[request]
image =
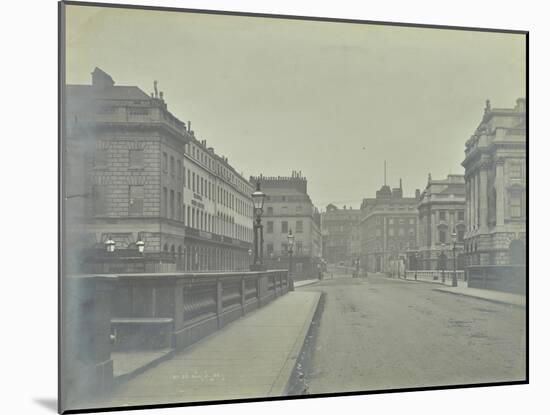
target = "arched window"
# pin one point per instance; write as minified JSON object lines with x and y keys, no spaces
{"x":165,"y":248}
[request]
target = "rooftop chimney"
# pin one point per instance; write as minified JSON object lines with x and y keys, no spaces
{"x":487,"y":106}
{"x":101,"y":79}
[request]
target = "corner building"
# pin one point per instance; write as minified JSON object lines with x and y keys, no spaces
{"x":496,"y":199}
{"x":135,"y":172}
{"x":288,"y":206}
{"x":441,"y":211}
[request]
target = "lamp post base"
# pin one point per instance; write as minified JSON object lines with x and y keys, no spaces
{"x":257,"y":267}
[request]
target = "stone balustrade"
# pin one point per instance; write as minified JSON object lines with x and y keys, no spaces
{"x":125,"y":312}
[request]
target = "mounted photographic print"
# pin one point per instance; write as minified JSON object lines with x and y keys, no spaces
{"x":256,"y":206}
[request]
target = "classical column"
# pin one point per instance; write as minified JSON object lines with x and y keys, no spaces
{"x":483,"y":208}
{"x":467,"y":210}
{"x":434,"y":228}
{"x":475,"y":200}
{"x":500,"y":191}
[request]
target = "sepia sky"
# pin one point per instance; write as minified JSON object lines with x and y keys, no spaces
{"x":333,"y":100}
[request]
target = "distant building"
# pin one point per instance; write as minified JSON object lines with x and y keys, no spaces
{"x":388,"y":228}
{"x":355,"y":244}
{"x":496,"y":198}
{"x":136,"y":173}
{"x":441,"y":211}
{"x":288,"y":206}
{"x":337,"y":225}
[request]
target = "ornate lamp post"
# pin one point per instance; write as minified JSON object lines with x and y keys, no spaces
{"x":258,"y":198}
{"x":110,"y":244}
{"x":442,"y":262}
{"x":140,"y":246}
{"x":453,"y":238}
{"x":290,"y":239}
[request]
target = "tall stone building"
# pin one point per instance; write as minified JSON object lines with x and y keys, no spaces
{"x":496,"y":198}
{"x":388,"y":228}
{"x":288,"y":207}
{"x":337,"y":225}
{"x":218,"y":208}
{"x":135,"y":175}
{"x":441,"y":211}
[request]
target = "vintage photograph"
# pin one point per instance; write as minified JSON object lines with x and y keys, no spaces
{"x":255,"y":206}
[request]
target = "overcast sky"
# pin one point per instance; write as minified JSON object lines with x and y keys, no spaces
{"x":333,"y":100}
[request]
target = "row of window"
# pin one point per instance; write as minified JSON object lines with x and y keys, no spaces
{"x":401,"y":221}
{"x":400,"y":232}
{"x":195,"y":182}
{"x":222,"y":223}
{"x":210,"y":191}
{"x":443,"y":215}
{"x":205,"y":159}
{"x":173,"y":208}
{"x":285,"y":210}
{"x":284,"y":227}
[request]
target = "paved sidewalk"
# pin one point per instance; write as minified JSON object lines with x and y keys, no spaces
{"x":129,"y":364}
{"x":304,"y":282}
{"x":482,"y":294}
{"x":489,"y":295}
{"x":251,"y":357}
{"x":447,"y":282}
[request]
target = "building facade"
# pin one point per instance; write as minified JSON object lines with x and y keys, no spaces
{"x":441,"y":212}
{"x":388,"y":229}
{"x":218,"y":207}
{"x":136,"y":173}
{"x":288,"y":207}
{"x":496,"y":193}
{"x":338,"y":225}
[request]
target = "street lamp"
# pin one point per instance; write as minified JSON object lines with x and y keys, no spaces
{"x":442,"y":262}
{"x":110,"y":244}
{"x":453,"y":238}
{"x":290,"y":239}
{"x":140,"y":246}
{"x":258,"y":198}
